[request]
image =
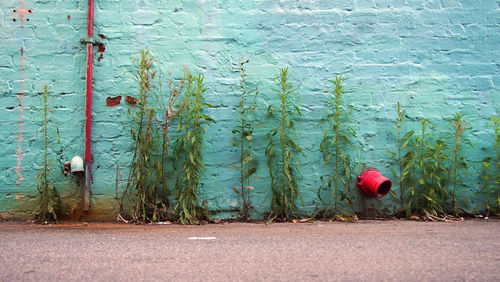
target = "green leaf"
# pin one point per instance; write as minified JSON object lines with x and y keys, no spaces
{"x":405,"y":143}
{"x":251,"y":171}
{"x":208,"y":105}
{"x":408,"y":135}
{"x":393,"y":194}
{"x":394,"y":174}
{"x":235,"y":168}
{"x":237,"y":191}
{"x":234,"y":142}
{"x":392,"y":154}
{"x":191,"y":157}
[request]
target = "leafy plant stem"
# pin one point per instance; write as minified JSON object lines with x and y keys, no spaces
{"x":335,"y":148}
{"x":459,"y":127}
{"x":281,"y":150}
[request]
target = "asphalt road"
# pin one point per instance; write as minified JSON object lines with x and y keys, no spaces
{"x":319,"y":251}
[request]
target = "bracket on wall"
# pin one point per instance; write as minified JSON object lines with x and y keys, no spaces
{"x":90,"y":40}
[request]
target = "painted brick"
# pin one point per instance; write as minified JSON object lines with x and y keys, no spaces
{"x":435,"y":57}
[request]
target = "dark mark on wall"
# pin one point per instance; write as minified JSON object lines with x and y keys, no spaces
{"x":113,"y":101}
{"x":131,"y":100}
{"x":101,"y":48}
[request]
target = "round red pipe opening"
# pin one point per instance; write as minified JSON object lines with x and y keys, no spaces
{"x":373,"y":183}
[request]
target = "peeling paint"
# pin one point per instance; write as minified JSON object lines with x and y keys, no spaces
{"x":113,"y":101}
{"x":100,"y":49}
{"x":131,"y":100}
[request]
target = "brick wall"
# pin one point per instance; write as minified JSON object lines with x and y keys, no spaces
{"x":435,"y":57}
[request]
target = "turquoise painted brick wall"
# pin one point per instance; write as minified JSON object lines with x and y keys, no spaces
{"x":435,"y":57}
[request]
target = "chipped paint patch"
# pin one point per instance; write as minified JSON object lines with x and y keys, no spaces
{"x":131,"y":100}
{"x":113,"y":101}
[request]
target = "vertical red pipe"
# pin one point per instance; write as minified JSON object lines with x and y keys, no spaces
{"x":88,"y":106}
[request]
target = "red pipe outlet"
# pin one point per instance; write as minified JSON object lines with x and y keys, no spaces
{"x":373,"y":183}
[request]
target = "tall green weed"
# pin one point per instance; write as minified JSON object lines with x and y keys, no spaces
{"x":243,"y":140}
{"x":192,"y":126}
{"x":282,"y":149}
{"x":336,"y":148}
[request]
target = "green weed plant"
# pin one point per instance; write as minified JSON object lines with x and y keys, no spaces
{"x":170,"y":107}
{"x":403,"y":155}
{"x":49,"y":201}
{"x":487,"y":187}
{"x":243,"y":140}
{"x":335,"y":147}
{"x":428,"y":195}
{"x":490,"y":174}
{"x":145,"y":177}
{"x":282,"y":149}
{"x":495,"y":123}
{"x":457,"y":160}
{"x":192,"y":126}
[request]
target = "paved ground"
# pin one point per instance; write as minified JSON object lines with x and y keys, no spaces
{"x":367,"y":250}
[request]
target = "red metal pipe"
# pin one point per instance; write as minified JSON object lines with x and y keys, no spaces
{"x":88,"y":106}
{"x":373,"y":183}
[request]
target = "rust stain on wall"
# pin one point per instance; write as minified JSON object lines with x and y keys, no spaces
{"x":113,"y":101}
{"x":131,"y":100}
{"x":100,"y":49}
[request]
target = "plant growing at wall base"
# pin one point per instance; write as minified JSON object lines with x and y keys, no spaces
{"x":169,"y":111}
{"x":402,"y":158}
{"x":428,"y":195}
{"x":145,"y":177}
{"x":244,"y":142}
{"x":495,"y":123}
{"x":490,"y":174}
{"x":49,"y":201}
{"x":457,"y":159}
{"x":335,"y":146}
{"x":192,"y":125}
{"x":487,"y":187}
{"x":282,"y":149}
